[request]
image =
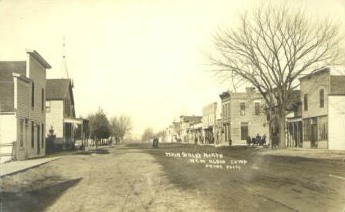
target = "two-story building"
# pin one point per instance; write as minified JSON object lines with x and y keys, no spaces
{"x":195,"y":132}
{"x":323,"y":111}
{"x":22,"y":107}
{"x":209,"y":123}
{"x":185,"y":127}
{"x":243,"y":115}
{"x":61,"y":112}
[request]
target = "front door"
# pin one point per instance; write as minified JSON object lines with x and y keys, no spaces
{"x":314,"y":135}
{"x":244,"y":131}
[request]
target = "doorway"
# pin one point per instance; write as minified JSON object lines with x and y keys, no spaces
{"x":313,"y":135}
{"x":244,"y":130}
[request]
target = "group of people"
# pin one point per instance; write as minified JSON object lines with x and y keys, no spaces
{"x":256,"y":140}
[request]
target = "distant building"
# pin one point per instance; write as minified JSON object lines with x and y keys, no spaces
{"x":243,"y":115}
{"x":323,"y":110}
{"x":195,"y":133}
{"x":22,"y":103}
{"x":185,"y":127}
{"x":226,"y":115}
{"x":209,"y":123}
{"x":176,"y":131}
{"x":168,"y":134}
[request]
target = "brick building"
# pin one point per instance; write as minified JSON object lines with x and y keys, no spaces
{"x":243,"y":115}
{"x":322,"y":94}
{"x":22,"y":103}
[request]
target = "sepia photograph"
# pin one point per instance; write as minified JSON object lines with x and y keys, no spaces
{"x":172,"y":105}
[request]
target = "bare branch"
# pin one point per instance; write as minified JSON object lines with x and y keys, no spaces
{"x":273,"y":47}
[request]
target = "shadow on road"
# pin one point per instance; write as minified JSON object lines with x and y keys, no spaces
{"x":35,"y":199}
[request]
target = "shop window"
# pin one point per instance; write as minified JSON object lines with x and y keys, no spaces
{"x":306,"y":129}
{"x":323,"y":128}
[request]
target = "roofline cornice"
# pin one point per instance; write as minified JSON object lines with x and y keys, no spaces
{"x":19,"y":76}
{"x":315,"y":72}
{"x":39,"y":58}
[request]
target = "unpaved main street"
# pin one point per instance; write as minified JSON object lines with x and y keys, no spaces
{"x":138,"y":178}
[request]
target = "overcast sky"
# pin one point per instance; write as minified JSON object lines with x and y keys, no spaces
{"x":145,"y":59}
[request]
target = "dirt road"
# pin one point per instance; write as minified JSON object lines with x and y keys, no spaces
{"x":124,"y":180}
{"x":177,"y":178}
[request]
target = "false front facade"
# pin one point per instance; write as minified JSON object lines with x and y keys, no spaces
{"x":22,"y":101}
{"x":323,"y":111}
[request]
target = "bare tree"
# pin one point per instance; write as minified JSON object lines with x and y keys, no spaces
{"x":147,"y":135}
{"x":162,"y":134}
{"x":271,"y":49}
{"x":120,"y":126}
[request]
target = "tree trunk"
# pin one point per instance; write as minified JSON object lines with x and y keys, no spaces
{"x":282,"y":143}
{"x":281,"y":124}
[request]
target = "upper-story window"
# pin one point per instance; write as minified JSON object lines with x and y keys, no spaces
{"x":33,"y":95}
{"x":43,"y":100}
{"x":242,"y":108}
{"x":223,"y":112}
{"x":322,"y":98}
{"x":305,"y":101}
{"x":226,"y":109}
{"x":257,"y":108}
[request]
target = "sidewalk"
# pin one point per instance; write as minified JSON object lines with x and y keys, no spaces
{"x":18,"y":166}
{"x":307,"y":153}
